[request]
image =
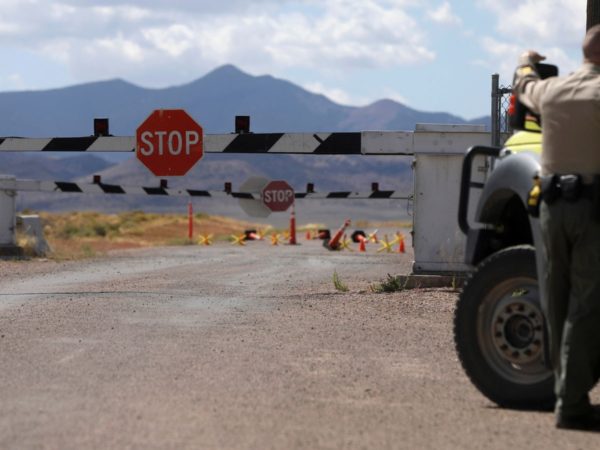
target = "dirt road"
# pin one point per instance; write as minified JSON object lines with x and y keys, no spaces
{"x":240,"y":348}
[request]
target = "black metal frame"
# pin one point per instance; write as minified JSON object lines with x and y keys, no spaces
{"x":466,"y":184}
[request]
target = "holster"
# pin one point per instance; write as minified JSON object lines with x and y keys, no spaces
{"x":550,"y":189}
{"x":571,"y":187}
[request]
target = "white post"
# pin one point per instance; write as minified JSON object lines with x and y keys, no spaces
{"x":8,"y":192}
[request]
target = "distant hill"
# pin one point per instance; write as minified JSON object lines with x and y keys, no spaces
{"x":45,"y":167}
{"x":213,"y":100}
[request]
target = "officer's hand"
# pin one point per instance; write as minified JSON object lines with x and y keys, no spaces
{"x":530,"y":57}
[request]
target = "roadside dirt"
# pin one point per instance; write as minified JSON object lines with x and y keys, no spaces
{"x":77,"y":235}
{"x":240,"y":348}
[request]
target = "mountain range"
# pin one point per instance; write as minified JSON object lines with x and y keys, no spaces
{"x":213,"y":100}
{"x":274,"y":105}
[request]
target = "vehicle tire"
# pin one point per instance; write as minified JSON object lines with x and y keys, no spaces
{"x":499,"y":331}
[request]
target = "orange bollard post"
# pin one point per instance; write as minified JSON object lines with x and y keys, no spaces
{"x":293,"y":226}
{"x":190,"y":221}
{"x":334,"y":242}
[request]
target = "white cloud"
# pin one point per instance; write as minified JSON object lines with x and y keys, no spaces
{"x":146,"y":41}
{"x":336,"y":94}
{"x":444,"y":15}
{"x":555,"y":28}
{"x":187,"y":6}
{"x":174,"y":40}
{"x":395,"y":95}
{"x":119,"y":47}
{"x":548,"y":22}
{"x":504,"y":56}
{"x":14,"y":81}
{"x":343,"y":97}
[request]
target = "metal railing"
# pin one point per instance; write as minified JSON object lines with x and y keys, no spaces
{"x":500,"y":127}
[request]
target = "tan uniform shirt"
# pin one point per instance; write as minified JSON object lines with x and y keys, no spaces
{"x":570,"y":111}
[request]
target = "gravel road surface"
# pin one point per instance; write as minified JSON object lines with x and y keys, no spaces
{"x":227,"y":347}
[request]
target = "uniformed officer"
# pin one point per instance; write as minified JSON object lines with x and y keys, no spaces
{"x":570,"y":167}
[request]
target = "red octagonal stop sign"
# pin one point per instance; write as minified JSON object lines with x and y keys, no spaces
{"x":278,"y":195}
{"x":169,"y":142}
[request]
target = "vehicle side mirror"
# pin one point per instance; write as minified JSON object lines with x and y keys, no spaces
{"x":519,"y":116}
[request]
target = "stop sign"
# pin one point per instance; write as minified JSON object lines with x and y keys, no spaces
{"x":278,"y":195}
{"x":169,"y":142}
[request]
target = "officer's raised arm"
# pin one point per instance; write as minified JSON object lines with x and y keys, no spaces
{"x":527,"y":83}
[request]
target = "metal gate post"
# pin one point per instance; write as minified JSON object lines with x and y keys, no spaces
{"x":8,"y":221}
{"x":495,"y":121}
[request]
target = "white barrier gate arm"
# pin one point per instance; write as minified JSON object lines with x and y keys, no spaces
{"x":358,"y":143}
{"x":163,"y":190}
{"x":436,"y":138}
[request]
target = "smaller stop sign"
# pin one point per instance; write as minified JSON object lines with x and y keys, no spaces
{"x":169,"y":142}
{"x":278,"y":195}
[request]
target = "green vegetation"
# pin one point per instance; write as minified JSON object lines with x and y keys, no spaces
{"x":86,"y":225}
{"x":181,"y":241}
{"x":87,"y":251}
{"x":338,"y":284}
{"x":390,"y":284}
{"x":87,"y":233}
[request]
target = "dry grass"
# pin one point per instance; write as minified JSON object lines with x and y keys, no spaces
{"x":84,"y":234}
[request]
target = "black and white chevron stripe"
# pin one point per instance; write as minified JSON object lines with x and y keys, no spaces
{"x":357,"y":143}
{"x":315,"y":143}
{"x":291,"y":143}
{"x":68,"y":144}
{"x":352,"y":195}
{"x":105,"y":188}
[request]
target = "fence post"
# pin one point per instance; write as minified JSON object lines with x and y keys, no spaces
{"x":8,"y":216}
{"x":495,"y":121}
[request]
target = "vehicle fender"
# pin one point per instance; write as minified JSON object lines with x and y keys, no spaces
{"x":512,"y":175}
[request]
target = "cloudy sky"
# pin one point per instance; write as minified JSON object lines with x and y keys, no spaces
{"x":433,"y":55}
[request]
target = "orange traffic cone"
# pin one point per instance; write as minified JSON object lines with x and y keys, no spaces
{"x":361,"y":246}
{"x":401,"y":248}
{"x":308,"y":235}
{"x":334,"y":242}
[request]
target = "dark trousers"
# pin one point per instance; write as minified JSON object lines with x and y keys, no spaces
{"x":572,"y":303}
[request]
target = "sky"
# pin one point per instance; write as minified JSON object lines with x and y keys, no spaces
{"x":433,"y":55}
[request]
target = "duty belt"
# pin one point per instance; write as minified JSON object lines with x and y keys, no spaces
{"x":568,"y":187}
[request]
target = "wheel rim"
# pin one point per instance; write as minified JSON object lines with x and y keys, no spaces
{"x":511,"y":333}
